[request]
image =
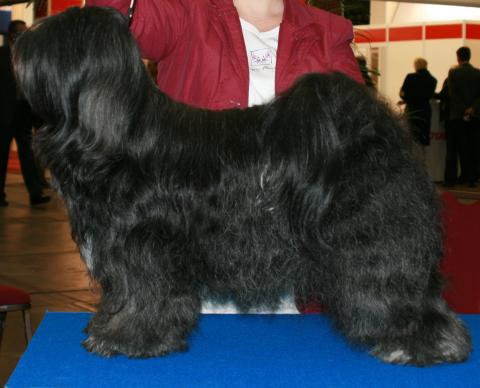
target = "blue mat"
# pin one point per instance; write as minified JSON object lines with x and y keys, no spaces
{"x":231,"y":351}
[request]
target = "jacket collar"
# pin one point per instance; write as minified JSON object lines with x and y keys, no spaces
{"x":296,"y":24}
{"x":297,"y":14}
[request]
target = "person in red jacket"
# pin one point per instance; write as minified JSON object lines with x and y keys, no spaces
{"x":221,"y":54}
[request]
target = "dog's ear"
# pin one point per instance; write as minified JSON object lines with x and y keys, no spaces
{"x":81,"y":71}
{"x":35,"y":69}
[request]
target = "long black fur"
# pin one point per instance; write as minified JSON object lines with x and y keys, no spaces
{"x":318,"y":191}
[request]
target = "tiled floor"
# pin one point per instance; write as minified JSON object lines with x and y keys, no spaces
{"x":36,"y":254}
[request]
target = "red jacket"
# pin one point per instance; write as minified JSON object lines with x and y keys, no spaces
{"x":201,"y":54}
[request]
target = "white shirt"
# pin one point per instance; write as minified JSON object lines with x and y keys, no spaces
{"x":262,"y":59}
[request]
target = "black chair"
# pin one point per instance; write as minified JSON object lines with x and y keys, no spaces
{"x":15,"y":299}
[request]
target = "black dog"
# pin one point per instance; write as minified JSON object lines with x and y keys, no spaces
{"x":317,"y":192}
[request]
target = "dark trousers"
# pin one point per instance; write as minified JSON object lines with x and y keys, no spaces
{"x":462,"y":140}
{"x":419,"y":119}
{"x":20,"y":129}
{"x":475,"y":148}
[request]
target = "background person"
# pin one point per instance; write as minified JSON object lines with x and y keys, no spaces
{"x":16,"y":122}
{"x":417,"y":90}
{"x":464,"y":96}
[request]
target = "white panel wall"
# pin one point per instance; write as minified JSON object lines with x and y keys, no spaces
{"x":468,"y":3}
{"x":22,"y":12}
{"x":475,"y":47}
{"x":381,"y":12}
{"x":413,"y":13}
{"x":441,"y":56}
{"x":398,"y":62}
{"x":392,"y":12}
{"x":397,"y":58}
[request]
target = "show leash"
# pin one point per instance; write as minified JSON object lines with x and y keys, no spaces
{"x":130,"y":12}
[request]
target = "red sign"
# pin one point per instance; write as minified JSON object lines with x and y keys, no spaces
{"x":405,"y":33}
{"x":473,"y":31}
{"x":445,"y":31}
{"x":371,"y":35}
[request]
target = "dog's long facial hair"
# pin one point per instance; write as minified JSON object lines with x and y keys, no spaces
{"x":317,"y":191}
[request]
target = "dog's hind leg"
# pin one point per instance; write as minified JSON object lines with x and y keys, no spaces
{"x":439,"y":337}
{"x":401,"y":323}
{"x":369,"y":219}
{"x":384,"y":289}
{"x":376,"y":264}
{"x":148,"y":306}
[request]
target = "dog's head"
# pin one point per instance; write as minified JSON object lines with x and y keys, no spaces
{"x":82,"y":69}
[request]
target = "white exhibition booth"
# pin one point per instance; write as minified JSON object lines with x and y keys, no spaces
{"x":401,"y":32}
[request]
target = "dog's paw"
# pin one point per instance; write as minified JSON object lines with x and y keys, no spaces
{"x":108,"y":348}
{"x":100,"y":347}
{"x":420,"y":356}
{"x":445,"y":341}
{"x":391,"y":356}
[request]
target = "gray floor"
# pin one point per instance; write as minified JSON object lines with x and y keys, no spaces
{"x":36,"y":254}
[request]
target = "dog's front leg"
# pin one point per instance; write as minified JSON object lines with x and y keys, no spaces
{"x":143,"y":330}
{"x":148,"y":306}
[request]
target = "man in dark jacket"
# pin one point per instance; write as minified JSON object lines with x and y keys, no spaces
{"x":417,"y":90}
{"x":464,"y":114}
{"x":16,"y":123}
